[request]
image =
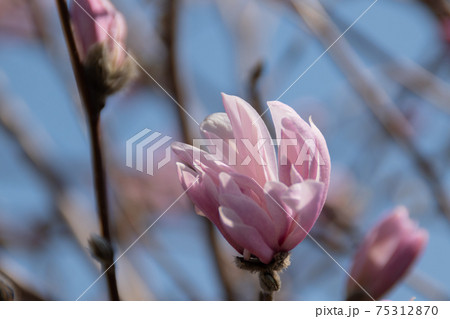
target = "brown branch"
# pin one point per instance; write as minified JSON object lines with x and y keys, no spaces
{"x":440,"y":8}
{"x":410,"y":75}
{"x":214,"y":245}
{"x":171,"y":43}
{"x":254,"y":80}
{"x":170,"y":37}
{"x":378,"y":102}
{"x":12,"y":290}
{"x":92,"y":105}
{"x":36,"y":150}
{"x":164,"y":259}
{"x":255,"y":76}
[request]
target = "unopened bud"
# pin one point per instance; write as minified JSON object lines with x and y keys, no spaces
{"x":105,"y":76}
{"x":100,"y":31}
{"x":385,"y":255}
{"x":101,"y":249}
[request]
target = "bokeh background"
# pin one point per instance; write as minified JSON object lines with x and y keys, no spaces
{"x":254,"y":49}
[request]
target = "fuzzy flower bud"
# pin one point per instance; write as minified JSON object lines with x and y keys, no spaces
{"x":385,"y":255}
{"x":100,"y":31}
{"x":101,"y":249}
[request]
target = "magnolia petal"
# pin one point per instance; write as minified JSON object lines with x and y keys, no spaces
{"x":228,"y":185}
{"x":198,"y":211}
{"x":198,"y":159}
{"x":291,"y":128}
{"x":323,"y":156}
{"x":284,"y":163}
{"x":249,"y":187}
{"x":186,"y":175}
{"x":248,"y":127}
{"x":251,"y":214}
{"x":279,"y":111}
{"x":217,"y":125}
{"x":246,"y":236}
{"x":279,"y":212}
{"x":201,"y":190}
{"x":304,"y":199}
{"x":295,"y":177}
{"x":304,"y":155}
{"x":217,"y":129}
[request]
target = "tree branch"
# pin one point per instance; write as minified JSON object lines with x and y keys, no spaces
{"x":92,"y":106}
{"x":378,"y":102}
{"x":171,"y":26}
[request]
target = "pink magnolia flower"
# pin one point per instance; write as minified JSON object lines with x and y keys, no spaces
{"x":260,"y":206}
{"x":385,"y":255}
{"x":99,"y":22}
{"x":16,"y":19}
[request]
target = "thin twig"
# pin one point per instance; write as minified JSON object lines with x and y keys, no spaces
{"x":171,"y":25}
{"x":172,"y":65}
{"x":412,"y":77}
{"x":255,"y":76}
{"x":379,"y":103}
{"x":163,"y":259}
{"x":54,"y":51}
{"x":255,"y":98}
{"x":440,"y":8}
{"x":37,"y":152}
{"x":19,"y":291}
{"x":92,"y":108}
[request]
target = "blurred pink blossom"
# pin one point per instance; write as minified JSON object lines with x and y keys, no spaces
{"x":16,"y":18}
{"x":445,"y":24}
{"x":385,"y":255}
{"x":260,"y":206}
{"x":99,"y":22}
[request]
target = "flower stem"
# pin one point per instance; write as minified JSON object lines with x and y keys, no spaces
{"x":268,"y":274}
{"x":93,"y":105}
{"x":102,"y":202}
{"x":265,"y":296}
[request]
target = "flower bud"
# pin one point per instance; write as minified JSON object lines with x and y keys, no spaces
{"x":98,"y":21}
{"x":100,"y":32}
{"x":101,"y":249}
{"x":385,"y":255}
